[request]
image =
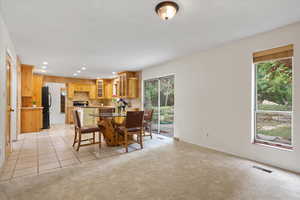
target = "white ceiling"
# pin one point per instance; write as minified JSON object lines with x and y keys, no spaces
{"x":116,"y":35}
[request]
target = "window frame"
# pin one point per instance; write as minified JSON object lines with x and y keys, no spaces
{"x":255,"y":110}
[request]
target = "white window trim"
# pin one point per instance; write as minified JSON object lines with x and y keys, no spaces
{"x":266,"y":143}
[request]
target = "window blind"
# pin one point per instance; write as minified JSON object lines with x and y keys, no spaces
{"x":275,"y":53}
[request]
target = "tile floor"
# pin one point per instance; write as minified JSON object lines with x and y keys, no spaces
{"x":51,"y":150}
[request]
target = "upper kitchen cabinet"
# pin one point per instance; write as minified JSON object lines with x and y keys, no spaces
{"x":27,"y":80}
{"x":128,"y":84}
{"x":104,"y":88}
{"x":92,"y":93}
{"x":100,"y":88}
{"x":108,"y":88}
{"x":70,"y":90}
{"x":79,"y":87}
{"x":37,"y":89}
{"x":115,"y":86}
{"x":133,"y":87}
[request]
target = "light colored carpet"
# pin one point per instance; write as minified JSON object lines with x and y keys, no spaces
{"x":174,"y":171}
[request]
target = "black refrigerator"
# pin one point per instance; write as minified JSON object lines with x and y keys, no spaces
{"x":46,"y":103}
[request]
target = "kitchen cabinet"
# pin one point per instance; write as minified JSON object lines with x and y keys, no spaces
{"x":71,"y":90}
{"x":27,"y":80}
{"x":104,"y":88}
{"x":37,"y":89}
{"x":108,"y":88}
{"x":115,"y":85}
{"x":92,"y":93}
{"x":82,"y":87}
{"x":133,"y":87}
{"x":76,"y":87}
{"x":128,"y":85}
{"x":69,"y":118}
{"x":100,"y":88}
{"x":31,"y":119}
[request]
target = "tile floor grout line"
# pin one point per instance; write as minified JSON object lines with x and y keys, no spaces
{"x":55,"y":152}
{"x":19,"y":152}
{"x":38,"y":155}
{"x":72,"y":150}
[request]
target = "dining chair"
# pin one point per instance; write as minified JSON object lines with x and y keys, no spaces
{"x":148,"y":122}
{"x":133,"y":126}
{"x":80,"y":130}
{"x":106,"y":110}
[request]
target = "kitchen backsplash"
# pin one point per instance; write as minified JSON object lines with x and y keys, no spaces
{"x":84,"y":96}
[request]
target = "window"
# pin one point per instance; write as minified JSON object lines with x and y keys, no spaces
{"x":273,"y":110}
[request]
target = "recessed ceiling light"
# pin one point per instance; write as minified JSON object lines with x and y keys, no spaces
{"x":166,"y":9}
{"x":114,"y":72}
{"x":44,"y":67}
{"x":83,"y":68}
{"x":78,"y":71}
{"x":75,"y":74}
{"x":45,"y":63}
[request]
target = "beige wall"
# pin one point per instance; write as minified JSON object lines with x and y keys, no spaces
{"x":6,"y":45}
{"x":213,"y":97}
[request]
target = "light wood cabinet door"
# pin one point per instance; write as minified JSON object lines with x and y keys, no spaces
{"x":27,"y":80}
{"x":115,"y":87}
{"x":128,"y":85}
{"x":100,"y":89}
{"x":70,"y":115}
{"x":133,"y":88}
{"x":92,"y":91}
{"x":108,"y":90}
{"x":71,"y":90}
{"x":78,"y":87}
{"x":37,"y":89}
{"x":31,"y":120}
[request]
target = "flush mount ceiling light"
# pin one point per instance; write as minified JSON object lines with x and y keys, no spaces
{"x":166,"y":9}
{"x":45,"y":63}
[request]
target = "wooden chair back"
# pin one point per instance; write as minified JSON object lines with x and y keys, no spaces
{"x":148,"y":115}
{"x":106,"y":110}
{"x":76,"y":118}
{"x":134,"y":119}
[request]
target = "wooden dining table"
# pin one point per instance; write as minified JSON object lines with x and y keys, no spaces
{"x":109,"y":121}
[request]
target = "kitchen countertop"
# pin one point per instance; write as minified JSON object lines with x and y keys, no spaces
{"x":32,"y":108}
{"x":94,"y":106}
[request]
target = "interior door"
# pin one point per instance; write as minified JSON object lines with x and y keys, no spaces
{"x":8,"y":146}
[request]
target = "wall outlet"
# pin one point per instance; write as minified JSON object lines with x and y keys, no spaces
{"x":205,"y":132}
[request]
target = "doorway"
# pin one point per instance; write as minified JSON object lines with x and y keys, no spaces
{"x":8,"y":145}
{"x":57,"y":97}
{"x":159,"y":96}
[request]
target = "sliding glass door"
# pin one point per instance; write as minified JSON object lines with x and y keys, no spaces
{"x":159,"y":96}
{"x":151,"y":100}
